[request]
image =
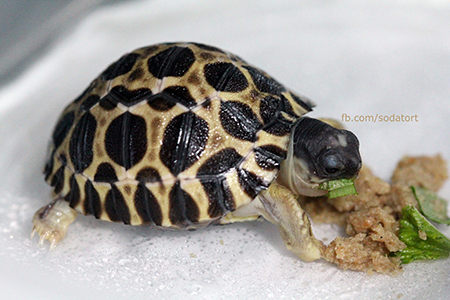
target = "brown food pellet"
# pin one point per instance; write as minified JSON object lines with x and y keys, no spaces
{"x":371,"y":218}
{"x":429,"y":172}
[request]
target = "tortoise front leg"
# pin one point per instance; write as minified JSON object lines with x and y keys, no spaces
{"x":52,"y":221}
{"x":283,"y":210}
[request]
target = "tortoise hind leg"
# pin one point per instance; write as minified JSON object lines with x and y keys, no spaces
{"x":283,"y":210}
{"x":52,"y":221}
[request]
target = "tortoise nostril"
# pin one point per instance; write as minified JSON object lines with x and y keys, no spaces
{"x":353,"y":167}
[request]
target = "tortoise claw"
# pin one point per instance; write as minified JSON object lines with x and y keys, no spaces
{"x":48,"y":231}
{"x":52,"y":221}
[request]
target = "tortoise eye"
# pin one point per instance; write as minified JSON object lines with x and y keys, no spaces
{"x":332,"y":164}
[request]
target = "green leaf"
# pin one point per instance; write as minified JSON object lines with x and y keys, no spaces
{"x":431,"y":205}
{"x":422,"y":239}
{"x":339,"y":188}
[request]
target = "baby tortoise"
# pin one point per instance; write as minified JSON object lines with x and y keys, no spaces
{"x":183,"y":135}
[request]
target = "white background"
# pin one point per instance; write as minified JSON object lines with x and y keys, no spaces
{"x":351,"y":57}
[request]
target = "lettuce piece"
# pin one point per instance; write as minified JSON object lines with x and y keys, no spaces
{"x":422,"y":239}
{"x":431,"y":205}
{"x":339,"y":188}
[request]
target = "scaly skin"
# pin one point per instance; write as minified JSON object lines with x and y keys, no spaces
{"x":284,"y":211}
{"x":52,"y":221}
{"x":279,"y":206}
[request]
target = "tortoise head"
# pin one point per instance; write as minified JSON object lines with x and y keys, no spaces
{"x":319,"y":153}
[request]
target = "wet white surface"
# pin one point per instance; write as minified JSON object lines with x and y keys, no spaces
{"x":349,"y":57}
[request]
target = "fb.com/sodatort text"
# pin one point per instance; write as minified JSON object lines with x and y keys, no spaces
{"x":380,"y":118}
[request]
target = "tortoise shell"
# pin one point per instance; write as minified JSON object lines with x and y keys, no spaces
{"x":172,"y":135}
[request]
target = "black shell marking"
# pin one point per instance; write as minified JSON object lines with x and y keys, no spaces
{"x":73,"y":197}
{"x":220,"y":163}
{"x":263,"y":83}
{"x":105,"y":173}
{"x":147,"y":206}
{"x":115,"y":206}
{"x":82,"y":141}
{"x":183,"y":209}
{"x":148,"y":174}
{"x":225,"y":77}
{"x":126,"y":140}
{"x":174,"y":61}
{"x":92,"y":204}
{"x":122,"y":66}
{"x":239,"y":120}
{"x":63,"y":128}
{"x":120,"y":94}
{"x":184,"y":141}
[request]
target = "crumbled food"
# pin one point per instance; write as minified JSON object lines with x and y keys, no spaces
{"x":372,"y":191}
{"x":321,"y":211}
{"x":379,"y":225}
{"x":428,"y":172}
{"x":400,"y":197}
{"x":359,"y":253}
{"x":372,"y":218}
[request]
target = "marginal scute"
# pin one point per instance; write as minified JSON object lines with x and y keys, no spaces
{"x":92,"y":204}
{"x":58,"y":180}
{"x":251,"y":184}
{"x":269,"y":157}
{"x":305,"y":103}
{"x":147,"y":206}
{"x":216,"y":207}
{"x":273,"y":150}
{"x":116,"y":207}
{"x":183,"y":211}
{"x":48,"y":169}
{"x":219,"y":195}
{"x":73,"y":197}
{"x":287,"y":107}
